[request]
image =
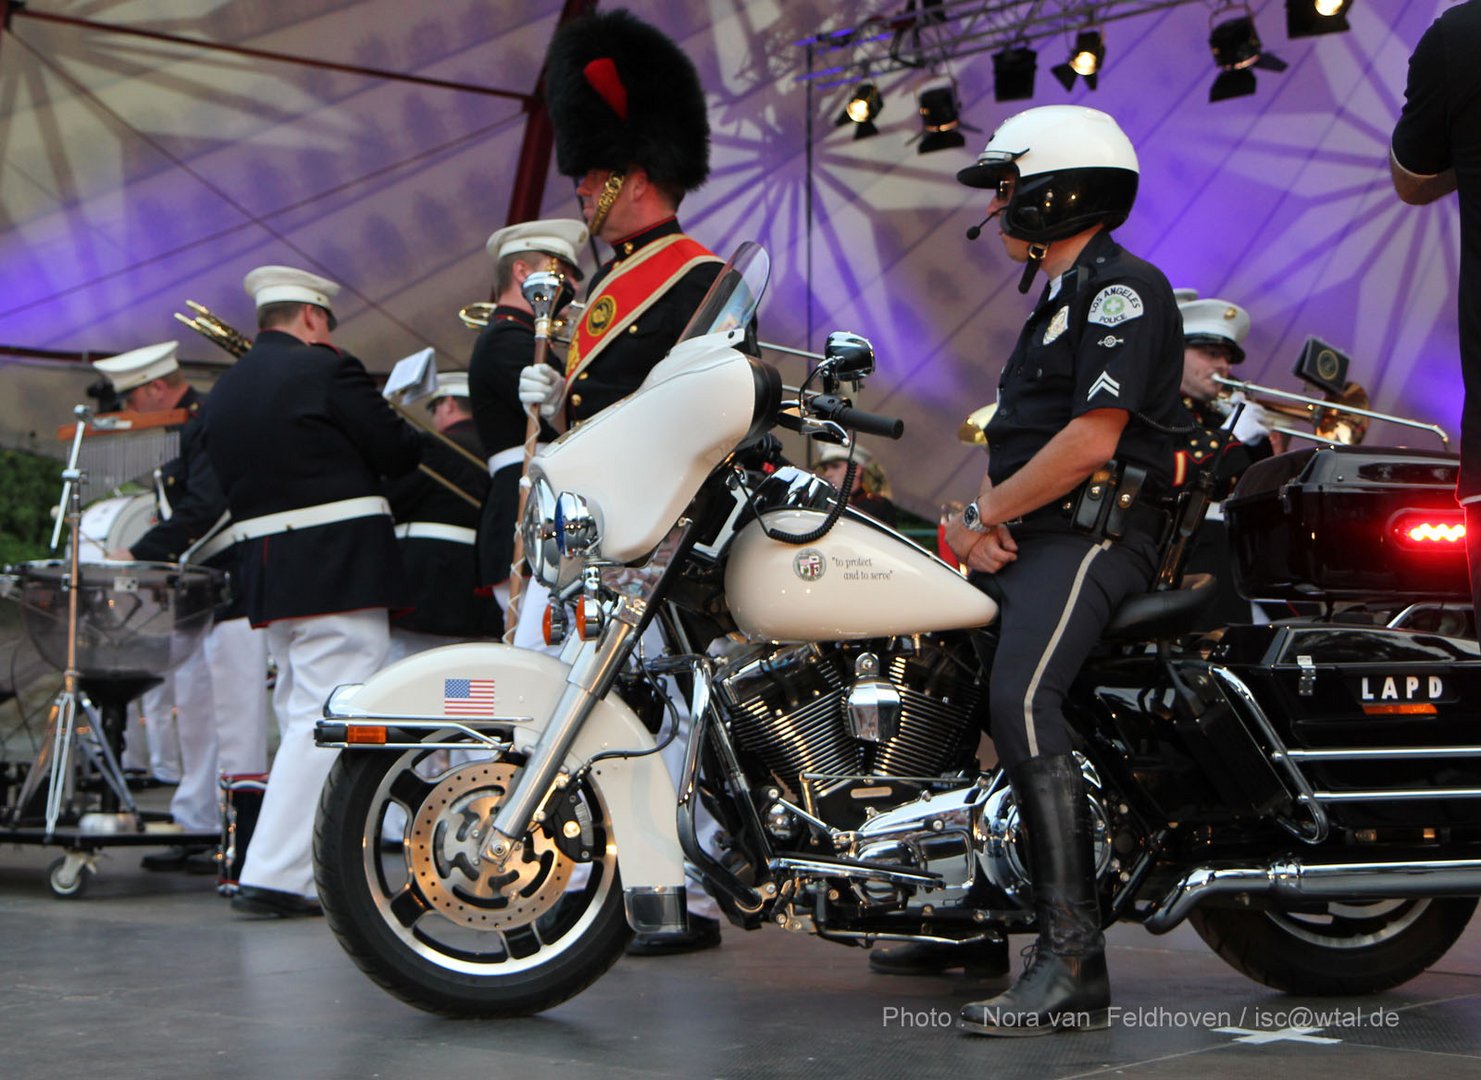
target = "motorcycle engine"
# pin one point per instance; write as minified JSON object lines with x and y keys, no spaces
{"x":867,"y":722}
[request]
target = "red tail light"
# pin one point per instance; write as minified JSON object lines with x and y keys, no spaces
{"x":1430,"y":530}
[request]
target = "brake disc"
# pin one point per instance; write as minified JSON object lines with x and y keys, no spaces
{"x":443,"y":854}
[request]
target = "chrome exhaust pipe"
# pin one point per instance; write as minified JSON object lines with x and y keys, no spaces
{"x":1293,"y":880}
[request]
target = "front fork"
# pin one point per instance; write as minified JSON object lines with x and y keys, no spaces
{"x":590,"y":678}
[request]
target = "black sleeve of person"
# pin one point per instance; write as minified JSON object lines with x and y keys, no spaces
{"x":196,"y":500}
{"x":502,"y":351}
{"x":387,"y":442}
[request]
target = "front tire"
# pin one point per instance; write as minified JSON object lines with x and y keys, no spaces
{"x":1350,"y":948}
{"x":403,"y":889}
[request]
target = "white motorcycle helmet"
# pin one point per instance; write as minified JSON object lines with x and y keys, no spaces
{"x":1074,"y":167}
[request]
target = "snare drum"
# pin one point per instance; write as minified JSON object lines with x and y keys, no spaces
{"x":110,"y":524}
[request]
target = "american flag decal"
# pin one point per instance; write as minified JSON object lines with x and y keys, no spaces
{"x":468,"y":697}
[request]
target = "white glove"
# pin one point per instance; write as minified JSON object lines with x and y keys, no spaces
{"x":1253,"y":423}
{"x":540,"y":384}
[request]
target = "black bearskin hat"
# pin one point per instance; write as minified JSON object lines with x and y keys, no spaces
{"x":621,"y":93}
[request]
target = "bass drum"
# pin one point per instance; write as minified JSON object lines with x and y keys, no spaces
{"x":110,"y":524}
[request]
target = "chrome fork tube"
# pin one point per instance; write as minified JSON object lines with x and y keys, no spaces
{"x":587,"y":683}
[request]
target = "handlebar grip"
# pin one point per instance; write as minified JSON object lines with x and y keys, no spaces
{"x":833,"y":408}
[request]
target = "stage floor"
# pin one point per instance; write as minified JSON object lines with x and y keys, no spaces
{"x":152,"y":975}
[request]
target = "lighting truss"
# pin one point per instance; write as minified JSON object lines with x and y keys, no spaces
{"x":930,"y":33}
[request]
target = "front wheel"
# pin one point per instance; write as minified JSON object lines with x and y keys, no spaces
{"x":1349,"y":948}
{"x":397,"y":853}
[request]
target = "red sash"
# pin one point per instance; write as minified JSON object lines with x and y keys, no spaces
{"x":629,"y":290}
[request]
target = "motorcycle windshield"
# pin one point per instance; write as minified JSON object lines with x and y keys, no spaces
{"x":734,"y":297}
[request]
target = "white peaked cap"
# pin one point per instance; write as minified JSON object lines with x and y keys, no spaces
{"x":285,"y":284}
{"x":133,"y":369}
{"x":1215,"y":321}
{"x":452,"y":384}
{"x":560,"y":237}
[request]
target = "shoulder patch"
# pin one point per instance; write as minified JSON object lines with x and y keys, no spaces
{"x":1114,"y":305}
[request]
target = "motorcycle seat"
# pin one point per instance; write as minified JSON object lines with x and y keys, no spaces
{"x":1147,"y":616}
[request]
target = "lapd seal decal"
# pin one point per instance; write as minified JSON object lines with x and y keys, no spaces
{"x":810,"y":564}
{"x":1114,"y":305}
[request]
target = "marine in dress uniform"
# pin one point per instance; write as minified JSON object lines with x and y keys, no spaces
{"x":631,"y":128}
{"x":300,"y":437}
{"x":437,"y":530}
{"x":220,"y":691}
{"x":504,"y":349}
{"x":1064,"y":527}
{"x":1213,"y":337}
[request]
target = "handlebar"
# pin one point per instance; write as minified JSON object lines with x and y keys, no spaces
{"x":837,"y":409}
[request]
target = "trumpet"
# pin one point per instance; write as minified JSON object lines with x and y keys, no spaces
{"x":1336,"y":420}
{"x":476,"y":316}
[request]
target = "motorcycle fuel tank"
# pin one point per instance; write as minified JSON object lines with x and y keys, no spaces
{"x":861,"y":580}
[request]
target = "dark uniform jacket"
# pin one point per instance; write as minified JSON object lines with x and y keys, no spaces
{"x":1440,"y":129}
{"x":1197,"y":448}
{"x":1109,"y":337}
{"x":442,"y":572}
{"x":292,"y":425}
{"x":193,"y":504}
{"x":624,"y":362}
{"x":503,"y":350}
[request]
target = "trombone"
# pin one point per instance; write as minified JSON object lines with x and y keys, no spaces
{"x":1337,"y":420}
{"x":236,"y":343}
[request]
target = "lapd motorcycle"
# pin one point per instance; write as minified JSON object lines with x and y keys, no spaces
{"x":499,"y":821}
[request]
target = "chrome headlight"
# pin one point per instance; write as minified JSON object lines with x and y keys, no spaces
{"x":578,"y":526}
{"x":537,"y":529}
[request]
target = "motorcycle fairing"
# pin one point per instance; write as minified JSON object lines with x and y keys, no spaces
{"x":526,"y":685}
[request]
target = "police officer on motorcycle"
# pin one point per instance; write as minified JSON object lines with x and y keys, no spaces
{"x":1065,"y":525}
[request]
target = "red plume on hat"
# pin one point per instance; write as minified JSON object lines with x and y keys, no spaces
{"x":622,"y":93}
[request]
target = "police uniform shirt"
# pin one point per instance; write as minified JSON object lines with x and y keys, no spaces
{"x":503,"y":350}
{"x":1440,"y":129}
{"x":443,"y":573}
{"x":623,"y":363}
{"x":293,"y":425}
{"x":1197,"y":450}
{"x":1109,"y":336}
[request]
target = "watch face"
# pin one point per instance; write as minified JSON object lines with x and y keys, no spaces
{"x":972,"y":516}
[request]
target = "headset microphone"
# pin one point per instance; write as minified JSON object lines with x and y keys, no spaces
{"x":976,"y":230}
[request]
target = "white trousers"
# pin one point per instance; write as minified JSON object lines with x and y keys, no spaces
{"x":406,"y":643}
{"x":221,"y":700}
{"x":157,"y":718}
{"x":314,"y":655}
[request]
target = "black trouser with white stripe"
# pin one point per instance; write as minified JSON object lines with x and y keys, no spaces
{"x":1056,"y":599}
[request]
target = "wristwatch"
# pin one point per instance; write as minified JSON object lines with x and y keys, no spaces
{"x":972,"y":518}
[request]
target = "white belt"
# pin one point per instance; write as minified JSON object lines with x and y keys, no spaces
{"x":436,"y":530}
{"x":306,"y":517}
{"x":515,"y":455}
{"x":214,"y":546}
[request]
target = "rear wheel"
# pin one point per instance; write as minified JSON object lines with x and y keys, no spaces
{"x":397,"y":851}
{"x":1348,"y":948}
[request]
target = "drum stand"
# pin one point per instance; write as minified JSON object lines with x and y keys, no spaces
{"x":72,"y":722}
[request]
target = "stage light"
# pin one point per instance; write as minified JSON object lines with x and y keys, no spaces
{"x":1085,"y":60}
{"x":1308,"y":18}
{"x":1237,"y":52}
{"x":861,"y":109}
{"x":940,"y":117}
{"x":1013,"y":72}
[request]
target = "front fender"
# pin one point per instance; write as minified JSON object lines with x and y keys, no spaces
{"x":524,"y":687}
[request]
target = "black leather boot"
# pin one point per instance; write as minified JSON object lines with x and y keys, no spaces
{"x":1065,"y":987}
{"x":980,"y":959}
